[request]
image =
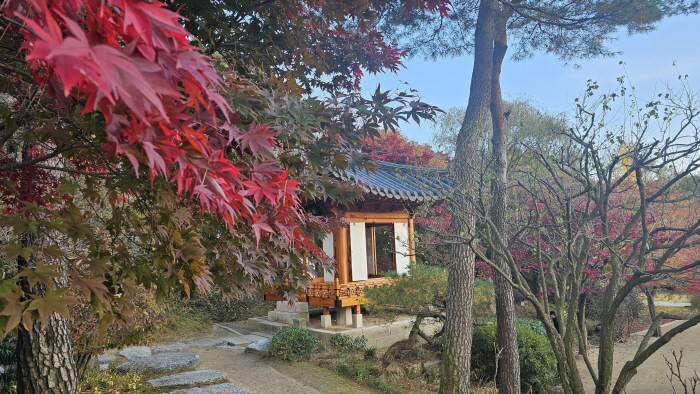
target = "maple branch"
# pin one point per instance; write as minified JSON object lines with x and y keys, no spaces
{"x":72,"y":171}
{"x":13,"y":166}
{"x":260,"y":4}
{"x":245,"y":42}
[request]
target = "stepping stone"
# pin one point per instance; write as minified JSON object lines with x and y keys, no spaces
{"x":161,"y":362}
{"x":262,"y":334}
{"x":175,"y":347}
{"x":259,"y":346}
{"x":188,"y":378}
{"x":224,"y":388}
{"x":134,"y":352}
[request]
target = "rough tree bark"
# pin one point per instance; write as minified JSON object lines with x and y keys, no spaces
{"x":581,"y":320}
{"x":509,"y":376}
{"x":45,"y":362}
{"x":650,"y":293}
{"x":456,"y":359}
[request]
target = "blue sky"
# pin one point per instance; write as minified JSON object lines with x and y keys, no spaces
{"x":649,"y":63}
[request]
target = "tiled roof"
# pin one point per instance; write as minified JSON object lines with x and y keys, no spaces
{"x":403,"y":182}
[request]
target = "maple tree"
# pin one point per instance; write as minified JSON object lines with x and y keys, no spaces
{"x":588,"y":225}
{"x":131,"y":158}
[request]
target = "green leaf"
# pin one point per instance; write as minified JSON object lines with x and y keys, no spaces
{"x":14,"y":310}
{"x":14,"y":249}
{"x":41,"y":273}
{"x":53,"y":301}
{"x":68,"y":187}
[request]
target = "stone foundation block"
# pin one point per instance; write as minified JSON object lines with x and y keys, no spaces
{"x":344,"y":316}
{"x":357,"y":320}
{"x":325,"y":321}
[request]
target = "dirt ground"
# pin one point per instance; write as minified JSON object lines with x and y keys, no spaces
{"x":651,"y":376}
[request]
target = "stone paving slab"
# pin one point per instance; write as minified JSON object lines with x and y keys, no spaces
{"x":253,"y":338}
{"x":209,"y":342}
{"x":224,"y":388}
{"x":161,"y":362}
{"x":238,"y":340}
{"x":225,"y":341}
{"x":173,"y":347}
{"x":188,"y":378}
{"x":134,"y":352}
{"x":262,"y":334}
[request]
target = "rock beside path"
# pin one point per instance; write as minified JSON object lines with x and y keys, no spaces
{"x":173,"y":347}
{"x":162,"y":362}
{"x":259,"y":346}
{"x":104,"y":360}
{"x":188,"y":378}
{"x":134,"y":352}
{"x":224,"y":388}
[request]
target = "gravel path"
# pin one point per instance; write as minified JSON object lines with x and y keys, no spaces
{"x":651,"y":376}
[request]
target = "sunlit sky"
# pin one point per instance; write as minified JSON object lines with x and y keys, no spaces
{"x":649,"y":63}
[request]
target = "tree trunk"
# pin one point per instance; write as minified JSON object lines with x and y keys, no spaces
{"x":45,"y":362}
{"x":652,"y":308}
{"x":456,"y":358}
{"x":581,"y":317}
{"x":509,"y":373}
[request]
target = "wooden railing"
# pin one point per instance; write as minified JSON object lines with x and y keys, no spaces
{"x":334,"y":290}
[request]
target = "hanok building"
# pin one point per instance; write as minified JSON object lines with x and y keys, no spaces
{"x":391,"y":196}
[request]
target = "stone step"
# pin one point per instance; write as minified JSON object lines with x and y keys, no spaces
{"x":190,"y":378}
{"x":160,"y":363}
{"x":272,"y":327}
{"x":286,"y":317}
{"x":297,"y":307}
{"x":223,"y":388}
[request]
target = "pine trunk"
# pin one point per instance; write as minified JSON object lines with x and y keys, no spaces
{"x":45,"y":362}
{"x":456,"y":359}
{"x":509,"y":371}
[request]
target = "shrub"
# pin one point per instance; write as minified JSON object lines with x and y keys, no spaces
{"x":695,"y":302}
{"x":537,"y":361}
{"x":293,"y":343}
{"x":8,"y":358}
{"x":365,"y":373}
{"x":345,"y":342}
{"x":371,"y":354}
{"x":224,"y":309}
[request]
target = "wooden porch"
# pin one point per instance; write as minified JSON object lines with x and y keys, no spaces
{"x":336,"y":294}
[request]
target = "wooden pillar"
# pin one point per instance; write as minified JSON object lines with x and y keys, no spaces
{"x":342,"y":256}
{"x":326,"y":310}
{"x":411,"y":241}
{"x":357,"y":310}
